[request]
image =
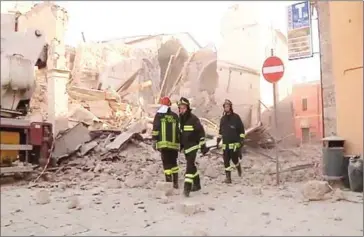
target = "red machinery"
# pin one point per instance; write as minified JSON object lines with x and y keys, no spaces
{"x":28,"y":142}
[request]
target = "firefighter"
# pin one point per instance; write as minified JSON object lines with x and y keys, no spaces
{"x":232,"y":134}
{"x":166,"y":139}
{"x":192,"y":140}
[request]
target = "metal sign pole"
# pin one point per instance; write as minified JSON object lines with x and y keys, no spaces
{"x":276,"y":125}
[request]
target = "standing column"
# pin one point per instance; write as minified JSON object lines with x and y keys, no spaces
{"x":58,"y":74}
{"x":57,"y":99}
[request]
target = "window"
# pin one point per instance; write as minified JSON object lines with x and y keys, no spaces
{"x":304,"y":104}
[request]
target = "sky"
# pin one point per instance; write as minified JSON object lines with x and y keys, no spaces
{"x":104,"y":20}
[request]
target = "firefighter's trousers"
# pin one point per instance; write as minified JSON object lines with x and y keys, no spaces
{"x":231,"y":156}
{"x":169,"y":159}
{"x":192,"y":178}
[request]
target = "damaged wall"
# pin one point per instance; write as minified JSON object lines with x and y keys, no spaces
{"x":91,"y":59}
{"x":241,"y":86}
{"x":52,"y":20}
{"x":70,"y":57}
{"x":174,"y":65}
{"x":48,"y":17}
{"x":200,"y":74}
{"x":114,"y":62}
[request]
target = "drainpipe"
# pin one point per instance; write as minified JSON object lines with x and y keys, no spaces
{"x":318,"y":111}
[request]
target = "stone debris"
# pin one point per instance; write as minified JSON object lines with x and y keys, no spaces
{"x":166,"y":188}
{"x":315,"y":190}
{"x":113,"y":90}
{"x":87,"y":147}
{"x":73,"y":203}
{"x":190,"y":208}
{"x":42,"y":197}
{"x":136,"y":165}
{"x":70,"y":141}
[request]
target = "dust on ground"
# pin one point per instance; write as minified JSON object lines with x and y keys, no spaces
{"x":216,"y":210}
{"x":124,"y":195}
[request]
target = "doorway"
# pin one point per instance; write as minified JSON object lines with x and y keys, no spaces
{"x":305,"y":135}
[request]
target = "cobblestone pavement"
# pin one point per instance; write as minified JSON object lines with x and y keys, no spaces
{"x":217,"y":210}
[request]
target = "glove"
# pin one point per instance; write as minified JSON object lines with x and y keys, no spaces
{"x":154,"y":145}
{"x":218,"y":141}
{"x":204,"y":149}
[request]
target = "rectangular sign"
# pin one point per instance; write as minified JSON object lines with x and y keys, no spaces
{"x":299,"y":31}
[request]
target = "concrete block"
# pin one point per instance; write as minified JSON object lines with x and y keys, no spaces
{"x":190,"y":208}
{"x":165,"y":187}
{"x":42,"y":197}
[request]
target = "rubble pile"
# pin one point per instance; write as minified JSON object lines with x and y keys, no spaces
{"x":258,"y":136}
{"x":91,"y":59}
{"x":100,"y":109}
{"x":113,"y":90}
{"x":126,"y":159}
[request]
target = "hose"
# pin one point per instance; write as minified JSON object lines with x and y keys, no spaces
{"x":46,"y":166}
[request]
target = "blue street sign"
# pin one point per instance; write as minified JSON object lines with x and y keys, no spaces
{"x":300,"y":15}
{"x":299,"y":31}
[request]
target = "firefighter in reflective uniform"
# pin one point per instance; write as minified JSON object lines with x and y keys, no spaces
{"x":232,"y":134}
{"x":192,"y":140}
{"x":166,"y":139}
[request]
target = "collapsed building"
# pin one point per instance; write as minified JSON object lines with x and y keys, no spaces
{"x":101,"y":96}
{"x":104,"y":83}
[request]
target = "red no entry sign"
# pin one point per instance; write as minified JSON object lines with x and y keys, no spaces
{"x":273,"y":69}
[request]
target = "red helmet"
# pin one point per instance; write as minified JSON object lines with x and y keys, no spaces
{"x":165,"y":101}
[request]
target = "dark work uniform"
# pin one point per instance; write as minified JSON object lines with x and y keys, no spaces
{"x":192,"y":138}
{"x":232,"y":132}
{"x":166,"y":133}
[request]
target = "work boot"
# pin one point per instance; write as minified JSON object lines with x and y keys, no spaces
{"x":168,"y":178}
{"x":187,"y":189}
{"x":228,"y":177}
{"x":196,"y":184}
{"x":175,"y":180}
{"x":238,"y":168}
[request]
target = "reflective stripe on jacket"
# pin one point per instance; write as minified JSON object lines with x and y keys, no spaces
{"x":165,"y":130}
{"x":231,"y":131}
{"x":192,"y":133}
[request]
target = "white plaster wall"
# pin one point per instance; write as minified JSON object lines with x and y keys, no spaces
{"x":247,"y":42}
{"x":243,"y":91}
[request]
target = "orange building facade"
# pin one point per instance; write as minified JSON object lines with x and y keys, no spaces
{"x":307,"y":107}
